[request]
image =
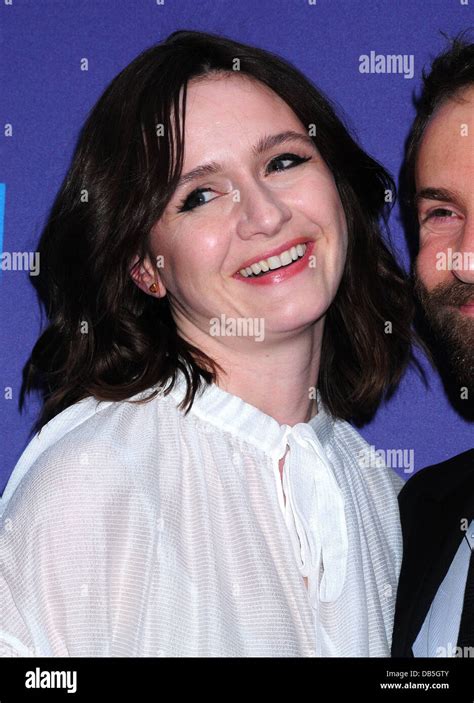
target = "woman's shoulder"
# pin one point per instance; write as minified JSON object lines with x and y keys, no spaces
{"x":87,"y":448}
{"x":374,"y":465}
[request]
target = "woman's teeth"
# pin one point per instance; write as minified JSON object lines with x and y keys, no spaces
{"x":274,"y":262}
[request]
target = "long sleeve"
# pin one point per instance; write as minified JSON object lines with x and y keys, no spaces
{"x":74,"y":543}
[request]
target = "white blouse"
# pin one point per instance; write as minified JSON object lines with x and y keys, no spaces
{"x":136,"y":530}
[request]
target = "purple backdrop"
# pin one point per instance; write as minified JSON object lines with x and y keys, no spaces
{"x":45,"y":97}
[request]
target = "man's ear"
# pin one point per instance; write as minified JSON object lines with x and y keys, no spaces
{"x":144,"y":275}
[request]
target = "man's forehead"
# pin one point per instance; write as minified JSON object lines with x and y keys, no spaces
{"x":448,"y":137}
{"x":456,"y":109}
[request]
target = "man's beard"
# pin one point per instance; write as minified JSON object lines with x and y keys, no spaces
{"x":455,"y":331}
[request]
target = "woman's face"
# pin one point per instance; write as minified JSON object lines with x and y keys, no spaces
{"x":257,"y":202}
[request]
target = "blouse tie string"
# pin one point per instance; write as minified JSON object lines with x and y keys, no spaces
{"x":315,"y":511}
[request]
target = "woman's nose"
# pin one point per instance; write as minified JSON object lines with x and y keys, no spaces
{"x":262,"y":210}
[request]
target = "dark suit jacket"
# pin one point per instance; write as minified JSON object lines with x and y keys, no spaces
{"x":432,"y":504}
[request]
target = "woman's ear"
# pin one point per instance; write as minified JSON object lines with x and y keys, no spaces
{"x":146,"y":277}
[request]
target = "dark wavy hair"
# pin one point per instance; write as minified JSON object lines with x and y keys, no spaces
{"x":450,"y":73}
{"x":108,"y":339}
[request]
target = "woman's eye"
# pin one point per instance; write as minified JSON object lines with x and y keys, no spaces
{"x":192,"y":200}
{"x":294,"y":158}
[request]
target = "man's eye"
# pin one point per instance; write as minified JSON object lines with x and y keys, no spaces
{"x":439,"y":213}
{"x":442,"y":220}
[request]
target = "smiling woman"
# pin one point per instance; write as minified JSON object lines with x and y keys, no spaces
{"x":213,"y":503}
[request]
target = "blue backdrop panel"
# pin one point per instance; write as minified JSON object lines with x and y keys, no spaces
{"x":45,"y":97}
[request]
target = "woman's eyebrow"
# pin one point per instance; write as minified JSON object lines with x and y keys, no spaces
{"x":265,"y":143}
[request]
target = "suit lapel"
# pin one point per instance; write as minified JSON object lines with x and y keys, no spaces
{"x":439,"y":539}
{"x":434,"y":514}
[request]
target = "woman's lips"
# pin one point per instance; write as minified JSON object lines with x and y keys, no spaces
{"x":274,"y":252}
{"x":280,"y":274}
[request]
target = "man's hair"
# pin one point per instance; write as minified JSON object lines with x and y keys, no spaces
{"x":451,"y":72}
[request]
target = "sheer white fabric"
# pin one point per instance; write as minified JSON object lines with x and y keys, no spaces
{"x":136,"y":530}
